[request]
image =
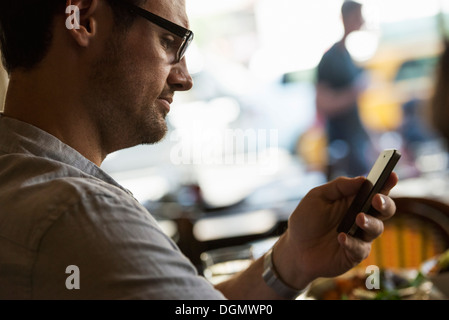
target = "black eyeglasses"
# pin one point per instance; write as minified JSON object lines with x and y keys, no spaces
{"x":185,"y":34}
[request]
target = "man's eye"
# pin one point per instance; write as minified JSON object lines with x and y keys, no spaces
{"x":168,"y":42}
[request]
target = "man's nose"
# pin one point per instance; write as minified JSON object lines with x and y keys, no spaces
{"x":179,"y":78}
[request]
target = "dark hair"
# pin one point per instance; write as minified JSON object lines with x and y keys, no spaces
{"x":26,"y":29}
{"x":349,"y":6}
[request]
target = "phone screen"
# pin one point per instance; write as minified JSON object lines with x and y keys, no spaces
{"x":374,"y":182}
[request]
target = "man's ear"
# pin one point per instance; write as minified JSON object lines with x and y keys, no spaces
{"x":80,"y":20}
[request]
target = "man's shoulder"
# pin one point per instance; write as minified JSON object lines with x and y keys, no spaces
{"x":332,"y":53}
{"x":35,"y":192}
{"x":23,"y":171}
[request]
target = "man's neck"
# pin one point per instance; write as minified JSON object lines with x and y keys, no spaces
{"x":55,"y":110}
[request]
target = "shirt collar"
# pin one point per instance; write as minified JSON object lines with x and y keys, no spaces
{"x":17,"y":137}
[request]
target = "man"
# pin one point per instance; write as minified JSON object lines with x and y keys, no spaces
{"x":102,"y":86}
{"x":339,"y":85}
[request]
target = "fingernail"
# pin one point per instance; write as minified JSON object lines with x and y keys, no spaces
{"x":365,"y":221}
{"x":383,"y":201}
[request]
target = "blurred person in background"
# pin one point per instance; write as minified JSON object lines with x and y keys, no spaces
{"x":440,"y":99}
{"x":82,"y":89}
{"x":339,"y":84}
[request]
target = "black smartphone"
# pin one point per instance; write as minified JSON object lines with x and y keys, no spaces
{"x":374,"y":182}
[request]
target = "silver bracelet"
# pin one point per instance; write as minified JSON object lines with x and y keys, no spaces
{"x":274,"y":281}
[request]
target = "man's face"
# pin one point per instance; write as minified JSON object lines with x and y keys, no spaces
{"x":355,"y":20}
{"x":132,"y":83}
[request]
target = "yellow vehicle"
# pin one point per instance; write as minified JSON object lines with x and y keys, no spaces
{"x":399,"y":72}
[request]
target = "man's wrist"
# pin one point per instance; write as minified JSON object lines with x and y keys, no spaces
{"x":274,"y":280}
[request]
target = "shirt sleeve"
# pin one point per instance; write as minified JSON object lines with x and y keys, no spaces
{"x":112,"y":248}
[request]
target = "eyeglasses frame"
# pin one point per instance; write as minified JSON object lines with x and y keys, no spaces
{"x":185,"y":34}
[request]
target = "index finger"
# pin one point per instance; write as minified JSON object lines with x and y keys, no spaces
{"x":389,"y":184}
{"x":341,"y":187}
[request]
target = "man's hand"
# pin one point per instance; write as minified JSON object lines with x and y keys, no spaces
{"x":311,"y":246}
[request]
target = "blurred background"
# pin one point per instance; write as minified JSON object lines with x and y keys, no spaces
{"x":246,"y":144}
{"x":251,"y":119}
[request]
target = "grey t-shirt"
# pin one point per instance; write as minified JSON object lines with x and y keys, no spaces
{"x":69,"y":231}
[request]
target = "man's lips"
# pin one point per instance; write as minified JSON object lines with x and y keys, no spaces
{"x":166,"y":101}
{"x":169,"y":99}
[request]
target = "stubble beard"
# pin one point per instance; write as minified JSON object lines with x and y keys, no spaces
{"x":123,"y":121}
